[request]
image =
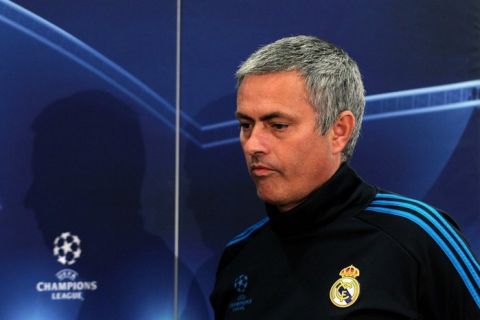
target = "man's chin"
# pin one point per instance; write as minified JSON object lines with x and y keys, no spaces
{"x":269,"y":198}
{"x":283,"y":204}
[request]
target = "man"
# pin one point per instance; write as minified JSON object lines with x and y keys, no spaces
{"x":332,"y":246}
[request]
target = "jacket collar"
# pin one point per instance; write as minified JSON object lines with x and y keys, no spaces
{"x":343,"y":192}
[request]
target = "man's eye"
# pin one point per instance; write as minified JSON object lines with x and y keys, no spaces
{"x":245,"y":126}
{"x":279,"y":126}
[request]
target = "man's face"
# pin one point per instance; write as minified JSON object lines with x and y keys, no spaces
{"x":286,"y":155}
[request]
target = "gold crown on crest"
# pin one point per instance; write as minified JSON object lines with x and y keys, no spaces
{"x":350,"y":271}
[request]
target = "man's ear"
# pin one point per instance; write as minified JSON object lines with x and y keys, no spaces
{"x":341,"y":131}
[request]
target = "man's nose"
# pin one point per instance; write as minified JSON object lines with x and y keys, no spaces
{"x":256,"y":142}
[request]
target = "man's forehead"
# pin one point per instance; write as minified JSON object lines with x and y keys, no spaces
{"x":272,"y":75}
{"x":275,"y":86}
{"x":278,"y":86}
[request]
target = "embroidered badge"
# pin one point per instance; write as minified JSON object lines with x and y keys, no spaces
{"x":242,"y":301}
{"x":345,"y":291}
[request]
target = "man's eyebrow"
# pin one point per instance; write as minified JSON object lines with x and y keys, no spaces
{"x":240,"y":115}
{"x":266,"y":117}
{"x":275,"y":115}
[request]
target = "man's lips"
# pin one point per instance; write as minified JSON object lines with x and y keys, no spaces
{"x":261,"y":171}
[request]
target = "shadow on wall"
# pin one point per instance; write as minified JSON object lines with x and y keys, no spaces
{"x":88,"y":170}
{"x":220,"y":194}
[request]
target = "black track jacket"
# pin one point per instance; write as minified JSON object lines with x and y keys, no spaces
{"x":350,"y":251}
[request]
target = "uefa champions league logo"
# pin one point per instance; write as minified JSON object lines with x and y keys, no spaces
{"x":66,"y":248}
{"x":241,"y":301}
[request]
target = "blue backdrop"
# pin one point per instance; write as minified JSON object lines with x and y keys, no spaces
{"x":87,"y":130}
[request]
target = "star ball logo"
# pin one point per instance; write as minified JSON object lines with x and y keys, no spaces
{"x":66,"y":248}
{"x":241,"y":283}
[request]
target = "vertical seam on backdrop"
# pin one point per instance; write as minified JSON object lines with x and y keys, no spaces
{"x":177,"y":164}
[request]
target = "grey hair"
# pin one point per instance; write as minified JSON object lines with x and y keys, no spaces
{"x":333,"y":80}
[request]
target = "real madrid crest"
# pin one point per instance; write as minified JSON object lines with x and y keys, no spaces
{"x":345,"y":291}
